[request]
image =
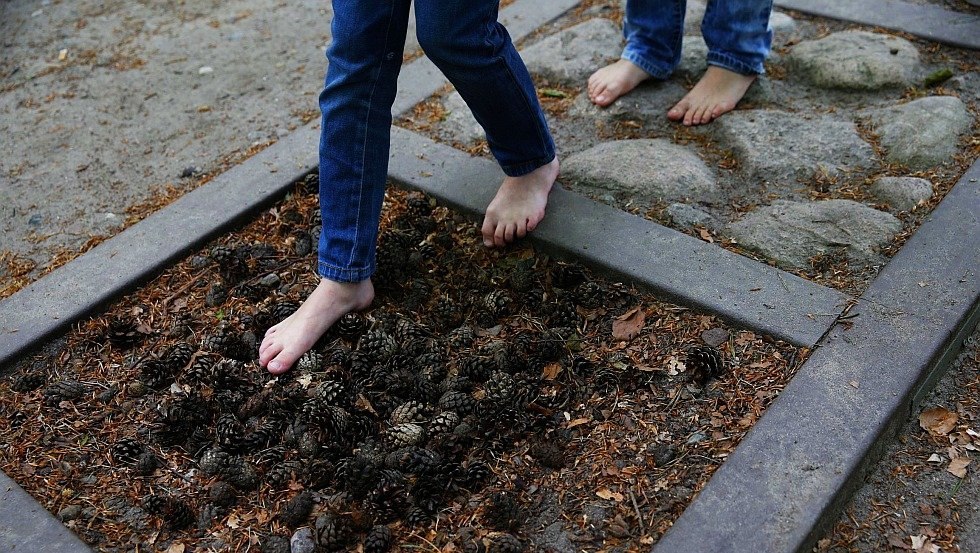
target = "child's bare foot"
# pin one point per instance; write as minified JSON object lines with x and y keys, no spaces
{"x":614,"y":80}
{"x":289,"y":340}
{"x":718,"y":91}
{"x":519,"y":205}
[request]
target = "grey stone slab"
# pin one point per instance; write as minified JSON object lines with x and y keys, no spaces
{"x":135,"y":255}
{"x":925,"y":20}
{"x":26,"y":526}
{"x":681,"y":268}
{"x":796,"y":468}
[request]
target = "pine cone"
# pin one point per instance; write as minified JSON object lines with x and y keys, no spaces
{"x":477,"y":368}
{"x":295,"y":511}
{"x":378,"y":539}
{"x":378,"y":344}
{"x":442,"y":423}
{"x":127,"y":450}
{"x":567,"y":275}
{"x":460,"y":402}
{"x":503,"y":512}
{"x":410,"y":411}
{"x":405,"y":434}
{"x":332,"y":531}
{"x":351,"y":326}
{"x":501,"y":542}
{"x":705,"y":363}
{"x":65,"y":390}
{"x":310,"y":361}
{"x":28,"y":382}
{"x":123,"y":332}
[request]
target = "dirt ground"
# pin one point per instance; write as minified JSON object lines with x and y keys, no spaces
{"x":185,"y":88}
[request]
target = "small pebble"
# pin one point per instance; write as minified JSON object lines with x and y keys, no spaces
{"x":70,"y":512}
{"x":302,"y":541}
{"x":270,"y":280}
{"x":715,"y":337}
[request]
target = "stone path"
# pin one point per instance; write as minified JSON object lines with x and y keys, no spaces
{"x":807,"y":139}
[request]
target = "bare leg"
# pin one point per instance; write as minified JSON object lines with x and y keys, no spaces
{"x":614,"y":80}
{"x":519,"y":205}
{"x":286,"y":342}
{"x":718,"y":91}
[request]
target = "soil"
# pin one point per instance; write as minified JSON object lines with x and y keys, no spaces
{"x":618,"y":419}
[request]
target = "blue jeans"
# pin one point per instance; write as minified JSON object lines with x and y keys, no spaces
{"x":473,"y":50}
{"x":736,"y":31}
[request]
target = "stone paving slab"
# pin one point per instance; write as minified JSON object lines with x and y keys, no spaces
{"x":25,"y":526}
{"x":927,"y":21}
{"x":796,"y":468}
{"x":135,"y":255}
{"x":682,"y":268}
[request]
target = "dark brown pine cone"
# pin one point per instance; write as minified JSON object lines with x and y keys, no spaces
{"x":378,"y":540}
{"x":704,"y":363}
{"x":28,"y":382}
{"x":295,"y":511}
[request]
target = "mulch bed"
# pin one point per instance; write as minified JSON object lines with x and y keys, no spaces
{"x":577,"y":404}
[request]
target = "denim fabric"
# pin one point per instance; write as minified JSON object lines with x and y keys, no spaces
{"x":736,"y":31}
{"x":463,"y":39}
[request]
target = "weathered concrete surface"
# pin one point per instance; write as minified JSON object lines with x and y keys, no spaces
{"x":925,"y":20}
{"x":26,"y":526}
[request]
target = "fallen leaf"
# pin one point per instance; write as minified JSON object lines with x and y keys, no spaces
{"x":934,"y":458}
{"x":176,"y":548}
{"x":233,"y":521}
{"x":938,"y":421}
{"x":606,"y":493}
{"x":957,"y":467}
{"x":628,"y":325}
{"x":854,"y":384}
{"x":578,"y":422}
{"x":706,"y":236}
{"x":895,"y":540}
{"x":551,"y":371}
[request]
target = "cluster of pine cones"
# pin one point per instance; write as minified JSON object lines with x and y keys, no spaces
{"x":401,"y":409}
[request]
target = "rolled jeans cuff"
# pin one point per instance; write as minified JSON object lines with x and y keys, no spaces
{"x":654,"y":70}
{"x":731,"y":63}
{"x":338,"y":274}
{"x":520,"y":169}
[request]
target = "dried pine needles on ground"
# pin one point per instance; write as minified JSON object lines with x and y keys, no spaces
{"x":489,"y":400}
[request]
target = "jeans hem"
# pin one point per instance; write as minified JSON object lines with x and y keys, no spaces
{"x":726,"y":61}
{"x":338,"y":274}
{"x":520,"y":169}
{"x":654,"y":70}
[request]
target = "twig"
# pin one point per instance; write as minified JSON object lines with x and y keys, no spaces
{"x":636,"y":507}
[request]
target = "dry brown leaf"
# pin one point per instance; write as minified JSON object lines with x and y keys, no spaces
{"x":628,"y":325}
{"x":606,"y":493}
{"x":957,"y":467}
{"x":896,"y":540}
{"x":176,"y":548}
{"x":577,"y":422}
{"x":551,"y":371}
{"x":938,"y":421}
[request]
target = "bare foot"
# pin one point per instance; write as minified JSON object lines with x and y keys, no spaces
{"x":519,"y":205}
{"x":718,"y":91}
{"x":289,"y":340}
{"x":614,"y":80}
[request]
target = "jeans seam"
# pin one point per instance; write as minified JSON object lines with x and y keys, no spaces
{"x":732,"y":63}
{"x":367,"y":131}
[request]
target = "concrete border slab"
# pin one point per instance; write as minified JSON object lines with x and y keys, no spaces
{"x":796,"y":468}
{"x":26,"y":526}
{"x":923,"y":20}
{"x":134,"y":256}
{"x":682,"y":268}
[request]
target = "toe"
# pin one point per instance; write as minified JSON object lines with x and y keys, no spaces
{"x":488,"y":230}
{"x":270,"y":352}
{"x":522,"y":230}
{"x":510,"y":232}
{"x":678,"y":112}
{"x":498,"y":236}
